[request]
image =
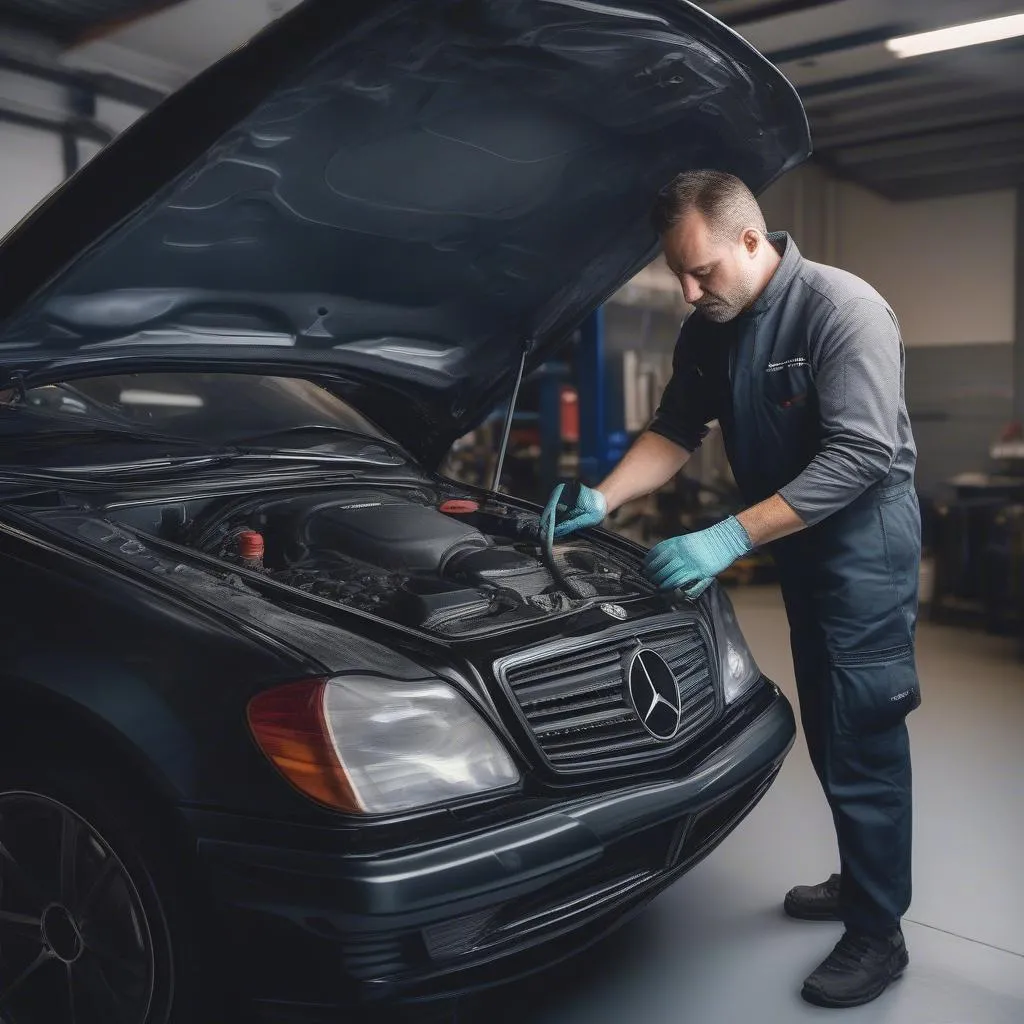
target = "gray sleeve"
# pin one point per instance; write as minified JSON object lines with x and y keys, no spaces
{"x":684,"y":412}
{"x":858,"y":382}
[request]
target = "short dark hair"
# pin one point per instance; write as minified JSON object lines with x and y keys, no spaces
{"x":722,"y":199}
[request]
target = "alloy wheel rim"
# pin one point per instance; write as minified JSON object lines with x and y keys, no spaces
{"x":75,"y":942}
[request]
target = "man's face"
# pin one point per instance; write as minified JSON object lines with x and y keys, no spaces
{"x":719,"y":276}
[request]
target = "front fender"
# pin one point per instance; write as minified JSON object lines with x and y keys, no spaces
{"x":138,"y":670}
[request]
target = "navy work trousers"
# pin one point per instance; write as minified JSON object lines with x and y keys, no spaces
{"x":850,"y":586}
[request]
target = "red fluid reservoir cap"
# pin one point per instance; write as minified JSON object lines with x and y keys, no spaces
{"x":250,"y":544}
{"x":460,"y":508}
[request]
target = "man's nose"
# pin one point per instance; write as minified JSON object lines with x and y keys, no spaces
{"x":691,"y":290}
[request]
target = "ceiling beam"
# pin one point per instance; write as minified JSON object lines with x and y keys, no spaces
{"x":884,"y":76}
{"x":917,"y":113}
{"x":113,"y":87}
{"x":19,"y":22}
{"x":932,"y":142}
{"x":70,"y":26}
{"x":776,"y":9}
{"x":877,"y":91}
{"x":949,"y":118}
{"x":102,"y":29}
{"x":942,"y":186}
{"x":79,"y":127}
{"x":933,"y":165}
{"x":835,"y":44}
{"x":910,"y":96}
{"x":992,"y":63}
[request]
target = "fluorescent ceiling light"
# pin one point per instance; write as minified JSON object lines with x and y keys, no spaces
{"x":955,"y":36}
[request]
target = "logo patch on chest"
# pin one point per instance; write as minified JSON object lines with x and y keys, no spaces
{"x":786,"y":364}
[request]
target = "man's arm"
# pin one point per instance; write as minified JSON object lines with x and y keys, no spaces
{"x":677,"y":430}
{"x":859,"y":368}
{"x":859,"y":362}
{"x":858,"y":388}
{"x":649,"y":464}
{"x":770,"y":520}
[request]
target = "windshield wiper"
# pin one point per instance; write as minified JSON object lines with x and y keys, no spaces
{"x":38,"y":480}
{"x":209,"y":457}
{"x":141,"y":468}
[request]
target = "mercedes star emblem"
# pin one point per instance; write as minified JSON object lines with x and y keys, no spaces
{"x":616,"y":611}
{"x":653,"y":693}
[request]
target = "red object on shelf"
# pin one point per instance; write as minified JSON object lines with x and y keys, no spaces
{"x":459,"y":507}
{"x":250,"y":545}
{"x":570,"y":415}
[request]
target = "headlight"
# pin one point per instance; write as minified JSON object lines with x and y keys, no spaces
{"x":364,"y":744}
{"x":738,"y":668}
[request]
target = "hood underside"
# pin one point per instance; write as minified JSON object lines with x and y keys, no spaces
{"x":402,"y":195}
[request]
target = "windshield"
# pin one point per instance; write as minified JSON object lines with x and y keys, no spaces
{"x":215,"y":408}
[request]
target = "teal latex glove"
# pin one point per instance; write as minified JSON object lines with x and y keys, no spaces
{"x":691,"y":562}
{"x":572,"y":507}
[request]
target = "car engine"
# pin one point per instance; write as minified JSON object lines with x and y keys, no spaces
{"x":421,"y":558}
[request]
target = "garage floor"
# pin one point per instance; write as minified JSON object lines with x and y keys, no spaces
{"x":716,"y":947}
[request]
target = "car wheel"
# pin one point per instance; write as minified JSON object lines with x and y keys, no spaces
{"x":94,"y":920}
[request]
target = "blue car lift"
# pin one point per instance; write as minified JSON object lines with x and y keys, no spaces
{"x":602,"y":441}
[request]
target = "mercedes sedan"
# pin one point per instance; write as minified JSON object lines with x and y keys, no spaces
{"x":290,"y":719}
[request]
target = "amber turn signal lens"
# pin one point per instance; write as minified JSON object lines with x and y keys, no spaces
{"x":288,"y":724}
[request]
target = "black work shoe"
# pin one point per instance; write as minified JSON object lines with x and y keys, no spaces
{"x":814,"y":902}
{"x":859,"y":969}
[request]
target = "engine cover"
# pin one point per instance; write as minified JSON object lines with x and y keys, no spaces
{"x":389,"y":531}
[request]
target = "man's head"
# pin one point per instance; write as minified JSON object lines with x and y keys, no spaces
{"x":715,"y":241}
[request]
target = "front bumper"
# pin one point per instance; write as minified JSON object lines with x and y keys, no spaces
{"x":313,"y":929}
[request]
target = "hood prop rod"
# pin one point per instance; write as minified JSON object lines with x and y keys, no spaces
{"x":506,"y":433}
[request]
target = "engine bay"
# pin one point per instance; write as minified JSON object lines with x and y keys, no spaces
{"x":422,"y":557}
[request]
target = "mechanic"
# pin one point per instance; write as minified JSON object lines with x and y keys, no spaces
{"x":802,"y":367}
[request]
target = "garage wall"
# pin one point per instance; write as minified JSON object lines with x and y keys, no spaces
{"x":31,"y":161}
{"x":806,"y":204}
{"x":31,"y":164}
{"x":945,"y":265}
{"x":959,"y":397}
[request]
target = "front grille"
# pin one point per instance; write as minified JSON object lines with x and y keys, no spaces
{"x":575,"y":702}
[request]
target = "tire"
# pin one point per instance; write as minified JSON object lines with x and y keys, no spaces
{"x":93,"y":901}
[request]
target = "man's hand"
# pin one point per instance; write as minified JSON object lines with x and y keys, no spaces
{"x":691,"y":562}
{"x":573,"y":507}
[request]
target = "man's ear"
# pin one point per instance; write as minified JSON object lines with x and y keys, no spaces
{"x":751,"y":241}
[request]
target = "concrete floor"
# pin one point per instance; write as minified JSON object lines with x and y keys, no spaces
{"x":716,"y":948}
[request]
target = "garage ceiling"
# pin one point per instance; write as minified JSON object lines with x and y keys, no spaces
{"x":71,"y":20}
{"x":941,"y":124}
{"x":934,"y":125}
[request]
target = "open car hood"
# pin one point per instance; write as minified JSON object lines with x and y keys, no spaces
{"x":396,"y":198}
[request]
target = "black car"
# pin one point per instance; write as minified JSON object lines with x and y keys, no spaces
{"x":288,"y":715}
